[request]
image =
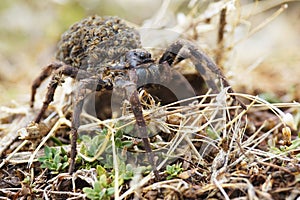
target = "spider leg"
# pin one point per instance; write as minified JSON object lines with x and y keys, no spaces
{"x":136,"y":107}
{"x":56,"y":79}
{"x":44,"y":74}
{"x":81,"y":94}
{"x":86,"y":86}
{"x":142,"y":128}
{"x":181,"y":50}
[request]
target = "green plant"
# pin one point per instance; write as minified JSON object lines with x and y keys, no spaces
{"x":212,"y":133}
{"x":91,"y":145}
{"x":55,"y":159}
{"x":126,"y":172}
{"x":100,"y":147}
{"x":173,"y":170}
{"x":103,"y":187}
{"x":101,"y":144}
{"x":284,"y":149}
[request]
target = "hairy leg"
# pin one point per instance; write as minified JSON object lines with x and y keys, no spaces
{"x":86,"y":86}
{"x":81,"y":94}
{"x":56,"y":79}
{"x":47,"y":71}
{"x":136,"y":107}
{"x":142,"y":128}
{"x":181,"y":50}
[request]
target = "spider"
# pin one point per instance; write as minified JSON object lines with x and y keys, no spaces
{"x":103,"y":53}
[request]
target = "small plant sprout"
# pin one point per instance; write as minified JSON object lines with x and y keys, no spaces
{"x":173,"y":170}
{"x":103,"y":187}
{"x":55,"y":159}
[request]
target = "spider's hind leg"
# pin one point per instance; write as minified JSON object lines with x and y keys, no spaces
{"x":209,"y":71}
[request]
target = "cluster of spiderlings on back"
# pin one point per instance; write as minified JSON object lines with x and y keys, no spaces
{"x":96,"y":41}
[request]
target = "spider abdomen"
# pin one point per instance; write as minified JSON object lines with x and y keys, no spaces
{"x":95,"y":41}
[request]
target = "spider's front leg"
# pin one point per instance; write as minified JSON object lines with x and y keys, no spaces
{"x":86,"y":86}
{"x":60,"y":69}
{"x":136,"y":106}
{"x":47,"y":71}
{"x":79,"y":99}
{"x":209,"y":71}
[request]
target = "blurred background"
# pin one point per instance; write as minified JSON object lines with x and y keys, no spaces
{"x":267,"y":61}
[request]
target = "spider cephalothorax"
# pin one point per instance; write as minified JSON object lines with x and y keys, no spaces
{"x":105,"y":53}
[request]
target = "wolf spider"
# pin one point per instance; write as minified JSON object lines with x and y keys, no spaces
{"x":102,"y":53}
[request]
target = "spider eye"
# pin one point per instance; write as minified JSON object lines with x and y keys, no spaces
{"x":137,"y":57}
{"x":144,"y":55}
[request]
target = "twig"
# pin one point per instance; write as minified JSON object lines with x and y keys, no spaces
{"x":4,"y":161}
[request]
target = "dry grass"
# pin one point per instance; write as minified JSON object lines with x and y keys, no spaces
{"x":247,"y":157}
{"x":224,"y":152}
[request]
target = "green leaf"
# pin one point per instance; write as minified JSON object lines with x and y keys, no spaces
{"x":108,"y":162}
{"x":65,"y":165}
{"x":65,"y":158}
{"x":90,"y":193}
{"x":56,"y":141}
{"x":295,"y":144}
{"x":173,"y":170}
{"x":54,"y":159}
{"x":212,"y":134}
{"x":63,"y":151}
{"x":47,"y":151}
{"x":97,"y":187}
{"x":86,"y":139}
{"x":110,"y":191}
{"x":42,"y":159}
{"x":57,"y":159}
{"x":104,"y":132}
{"x":103,"y":181}
{"x":100,"y":170}
{"x":119,"y":134}
{"x":127,"y":144}
{"x":270,"y":97}
{"x":101,"y":194}
{"x":118,"y":143}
